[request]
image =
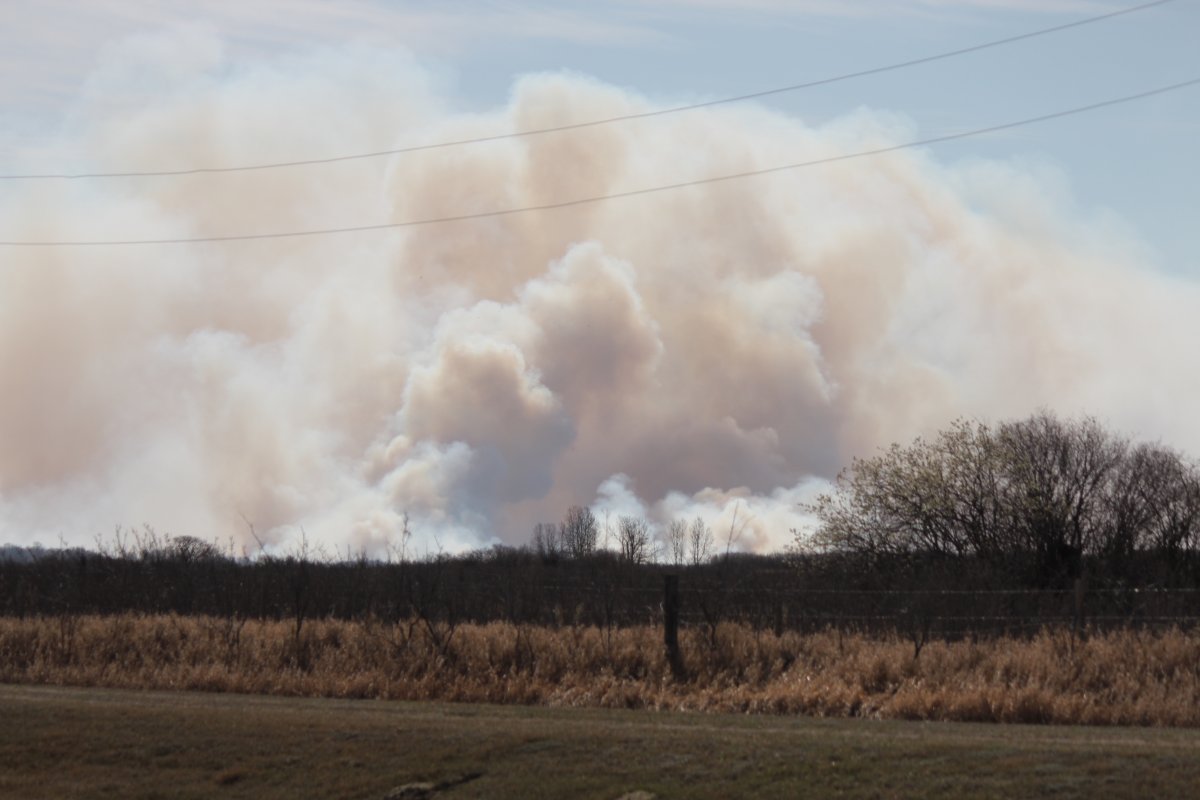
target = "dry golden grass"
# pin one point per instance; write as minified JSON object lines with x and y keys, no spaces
{"x":1118,"y":678}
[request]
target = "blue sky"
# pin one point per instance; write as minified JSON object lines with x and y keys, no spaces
{"x":1137,"y":161}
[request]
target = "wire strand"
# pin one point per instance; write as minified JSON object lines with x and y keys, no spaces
{"x":795,"y":87}
{"x":503,"y":212}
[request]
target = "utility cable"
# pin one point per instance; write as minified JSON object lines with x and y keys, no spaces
{"x":616,"y":195}
{"x":595,"y":122}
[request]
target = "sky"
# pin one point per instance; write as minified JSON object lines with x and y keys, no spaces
{"x":721,"y":350}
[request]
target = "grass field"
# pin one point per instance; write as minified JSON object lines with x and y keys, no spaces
{"x":74,"y":743}
{"x":1113,"y":678}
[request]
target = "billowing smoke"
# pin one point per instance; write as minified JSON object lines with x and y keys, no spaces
{"x":716,"y":350}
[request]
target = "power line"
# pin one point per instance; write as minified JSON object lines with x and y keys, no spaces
{"x":617,"y":195}
{"x":595,"y":122}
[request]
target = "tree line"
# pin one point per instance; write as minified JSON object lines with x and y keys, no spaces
{"x":1041,"y":500}
{"x":908,"y":534}
{"x":578,"y":536}
{"x":150,"y":573}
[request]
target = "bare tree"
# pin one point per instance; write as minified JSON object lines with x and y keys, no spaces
{"x":1176,"y":527}
{"x":735,"y":530}
{"x":677,"y":540}
{"x":397,"y":552}
{"x":1058,"y":471}
{"x":633,"y":537}
{"x":546,"y":540}
{"x":190,"y":548}
{"x":1152,"y":502}
{"x":1042,"y":491}
{"x":701,"y":541}
{"x":579,"y":532}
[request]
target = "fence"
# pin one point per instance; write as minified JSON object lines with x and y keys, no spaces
{"x":600,"y":592}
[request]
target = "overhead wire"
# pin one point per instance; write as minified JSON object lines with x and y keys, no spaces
{"x":596,"y":122}
{"x":581,"y":201}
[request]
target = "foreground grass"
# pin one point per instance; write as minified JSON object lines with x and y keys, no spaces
{"x":85,"y":743}
{"x":1118,"y":678}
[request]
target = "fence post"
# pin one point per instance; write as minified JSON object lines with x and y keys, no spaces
{"x":671,"y":623}
{"x":1080,"y":590}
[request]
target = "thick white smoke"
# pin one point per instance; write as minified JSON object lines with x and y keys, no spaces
{"x":713,"y":350}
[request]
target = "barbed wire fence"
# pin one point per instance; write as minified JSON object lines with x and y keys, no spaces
{"x":603,"y":594}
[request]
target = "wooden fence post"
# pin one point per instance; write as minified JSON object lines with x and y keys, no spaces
{"x":671,"y":623}
{"x":1080,"y":590}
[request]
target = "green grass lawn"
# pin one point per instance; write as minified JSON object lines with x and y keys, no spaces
{"x":61,"y":743}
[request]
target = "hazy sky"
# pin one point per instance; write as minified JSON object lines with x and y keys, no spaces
{"x":721,"y":350}
{"x":1136,"y":160}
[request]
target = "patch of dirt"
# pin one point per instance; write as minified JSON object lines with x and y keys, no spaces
{"x":424,"y":790}
{"x":412,"y":791}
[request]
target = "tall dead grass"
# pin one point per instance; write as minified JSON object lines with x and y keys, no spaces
{"x":1116,"y":678}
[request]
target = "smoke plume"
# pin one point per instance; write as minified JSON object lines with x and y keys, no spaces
{"x":718,"y":350}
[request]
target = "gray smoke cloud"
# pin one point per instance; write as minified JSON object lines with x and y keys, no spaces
{"x":719,"y":350}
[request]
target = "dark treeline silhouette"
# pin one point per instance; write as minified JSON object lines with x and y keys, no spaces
{"x":977,"y":531}
{"x":186,"y":576}
{"x":919,"y":596}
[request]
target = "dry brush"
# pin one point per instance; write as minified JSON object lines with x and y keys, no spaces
{"x":1120,"y":677}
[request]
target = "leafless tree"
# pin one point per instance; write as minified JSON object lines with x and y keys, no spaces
{"x":1058,"y":471}
{"x":190,"y":548}
{"x":677,"y":541}
{"x":633,"y":537}
{"x":579,"y":532}
{"x":1051,"y":491}
{"x":397,"y":551}
{"x":1152,"y":502}
{"x":546,"y":540}
{"x":735,"y":530}
{"x":701,"y":541}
